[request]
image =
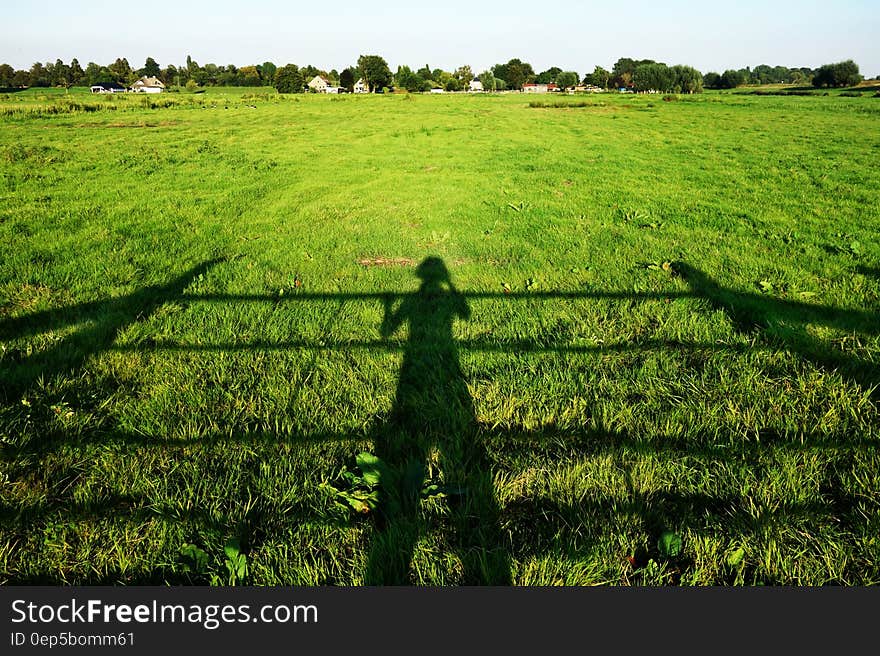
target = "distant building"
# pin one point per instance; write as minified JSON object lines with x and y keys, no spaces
{"x":437,"y":91}
{"x":319,"y":84}
{"x":361,"y":87}
{"x":107,"y":87}
{"x":539,"y":88}
{"x":475,"y":85}
{"x":148,"y":85}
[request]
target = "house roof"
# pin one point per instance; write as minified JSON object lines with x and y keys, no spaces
{"x":149,"y":82}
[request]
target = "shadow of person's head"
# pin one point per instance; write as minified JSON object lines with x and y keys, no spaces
{"x":433,"y":272}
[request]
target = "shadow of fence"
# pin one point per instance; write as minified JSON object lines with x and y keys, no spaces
{"x":433,"y":411}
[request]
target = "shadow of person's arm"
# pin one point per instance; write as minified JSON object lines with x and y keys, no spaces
{"x":391,"y":320}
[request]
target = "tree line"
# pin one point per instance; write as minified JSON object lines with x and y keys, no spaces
{"x":637,"y":75}
{"x":840,"y":74}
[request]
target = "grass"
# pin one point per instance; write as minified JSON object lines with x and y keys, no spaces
{"x":562,"y":335}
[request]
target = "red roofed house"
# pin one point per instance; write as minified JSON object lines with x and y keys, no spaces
{"x":532,"y":87}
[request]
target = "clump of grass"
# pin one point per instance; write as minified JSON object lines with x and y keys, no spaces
{"x":782,"y":92}
{"x":563,"y":104}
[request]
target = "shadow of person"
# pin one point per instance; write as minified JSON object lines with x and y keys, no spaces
{"x":433,"y":410}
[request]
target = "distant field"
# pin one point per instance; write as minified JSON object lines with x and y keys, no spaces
{"x":231,"y":352}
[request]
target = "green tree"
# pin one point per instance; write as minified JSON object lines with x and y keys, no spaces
{"x":464,"y":75}
{"x":250,"y":76}
{"x":653,"y":77}
{"x":548,"y":76}
{"x":624,"y":70}
{"x":228,"y":76}
{"x":712,"y":81}
{"x":487,"y":79}
{"x":60,"y":74}
{"x":39,"y":76}
{"x":150,"y":69}
{"x":405,"y":78}
{"x":121,"y":71}
{"x":841,"y":74}
{"x":802,"y":75}
{"x":170,"y":75}
{"x":347,"y":78}
{"x":288,"y":79}
{"x":731,"y":79}
{"x":212,"y":73}
{"x":375,"y":72}
{"x":499,"y":71}
{"x":191,"y":65}
{"x":442,"y":78}
{"x":76,"y":72}
{"x":21,"y":79}
{"x":518,"y":73}
{"x":267,"y":72}
{"x":309,"y":72}
{"x":686,"y":79}
{"x":567,"y":79}
{"x":599,"y":77}
{"x":7,"y":73}
{"x":452,"y":84}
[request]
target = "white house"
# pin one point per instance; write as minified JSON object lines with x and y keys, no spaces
{"x":319,"y":84}
{"x":438,"y":91}
{"x":148,"y":85}
{"x":361,"y":87}
{"x":475,"y":85}
{"x":539,"y":88}
{"x":107,"y":87}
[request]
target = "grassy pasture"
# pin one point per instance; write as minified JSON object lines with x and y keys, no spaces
{"x":563,"y":331}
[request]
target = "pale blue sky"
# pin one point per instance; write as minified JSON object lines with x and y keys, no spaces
{"x":572,"y":35}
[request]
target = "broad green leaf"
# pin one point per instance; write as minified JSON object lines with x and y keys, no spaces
{"x":198,"y":557}
{"x":669,"y":544}
{"x":433,"y":491}
{"x":371,"y":468}
{"x":232,"y":548}
{"x":736,"y":557}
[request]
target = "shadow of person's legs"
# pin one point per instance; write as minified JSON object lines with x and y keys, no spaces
{"x":468,"y":478}
{"x":398,"y":521}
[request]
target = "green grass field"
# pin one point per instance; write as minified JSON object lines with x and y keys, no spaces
{"x":249,"y":338}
